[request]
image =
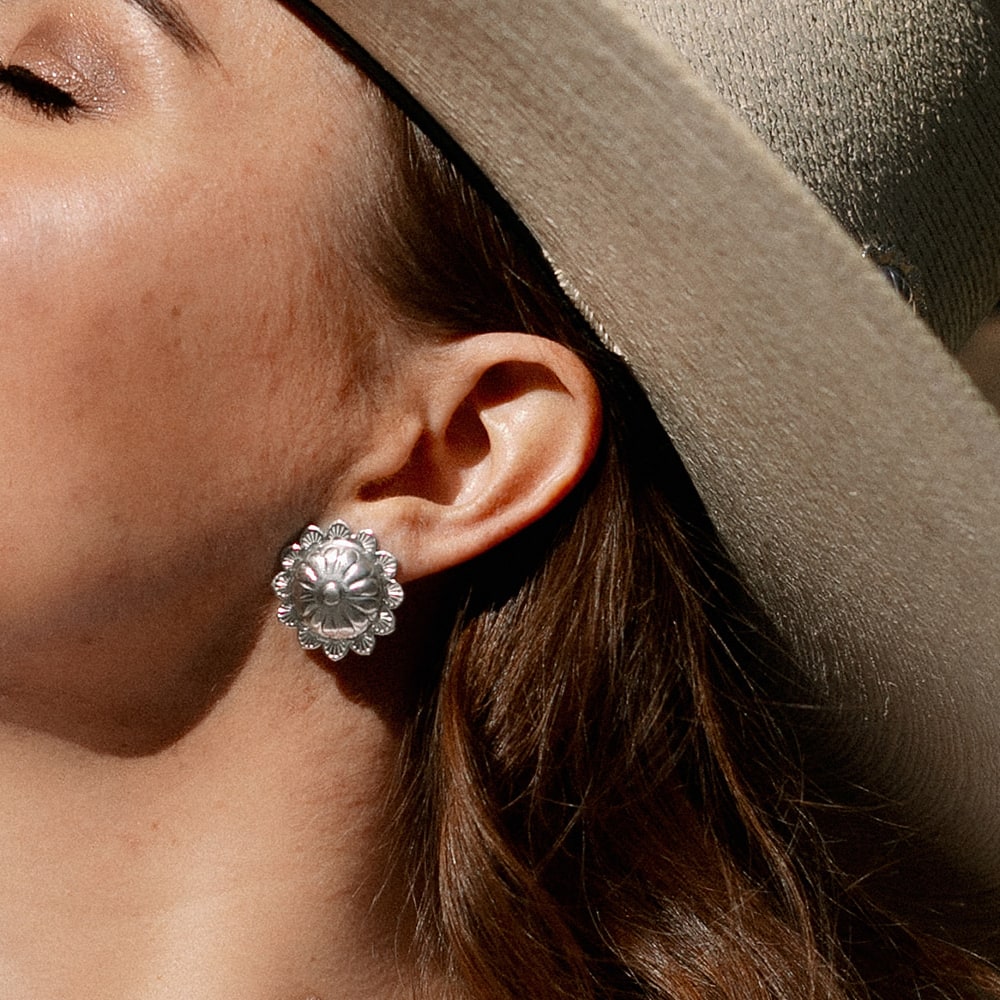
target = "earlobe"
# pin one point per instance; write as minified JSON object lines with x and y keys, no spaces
{"x":510,"y":423}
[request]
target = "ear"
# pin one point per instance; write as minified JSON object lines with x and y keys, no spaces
{"x":498,"y":428}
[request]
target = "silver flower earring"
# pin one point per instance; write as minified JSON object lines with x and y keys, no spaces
{"x":338,"y":590}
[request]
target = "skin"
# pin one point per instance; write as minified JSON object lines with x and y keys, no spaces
{"x":134,"y":381}
{"x":154,"y":408}
{"x":192,"y":804}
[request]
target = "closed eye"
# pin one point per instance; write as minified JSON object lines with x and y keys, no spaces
{"x":40,"y":95}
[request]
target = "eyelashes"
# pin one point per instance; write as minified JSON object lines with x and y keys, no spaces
{"x":40,"y":95}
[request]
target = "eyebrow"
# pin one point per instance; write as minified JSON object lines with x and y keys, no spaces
{"x":170,"y":17}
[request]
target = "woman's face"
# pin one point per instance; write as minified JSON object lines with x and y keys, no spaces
{"x":174,"y":369}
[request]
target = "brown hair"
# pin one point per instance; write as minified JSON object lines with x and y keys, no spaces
{"x":598,"y":797}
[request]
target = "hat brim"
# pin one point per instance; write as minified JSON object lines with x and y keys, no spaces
{"x":848,"y":465}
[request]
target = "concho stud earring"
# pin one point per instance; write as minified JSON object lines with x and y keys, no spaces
{"x":338,"y":590}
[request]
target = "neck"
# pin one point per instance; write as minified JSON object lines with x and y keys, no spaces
{"x":240,"y":861}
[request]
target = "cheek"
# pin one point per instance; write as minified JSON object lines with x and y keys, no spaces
{"x":162,"y":296}
{"x":169,"y":370}
{"x":176,"y":391}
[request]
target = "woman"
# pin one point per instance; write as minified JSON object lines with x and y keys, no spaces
{"x":230,"y":342}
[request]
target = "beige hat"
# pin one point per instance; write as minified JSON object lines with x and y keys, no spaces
{"x":887,"y":111}
{"x":849,"y":466}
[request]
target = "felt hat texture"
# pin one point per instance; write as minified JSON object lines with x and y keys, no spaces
{"x":850,"y":467}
